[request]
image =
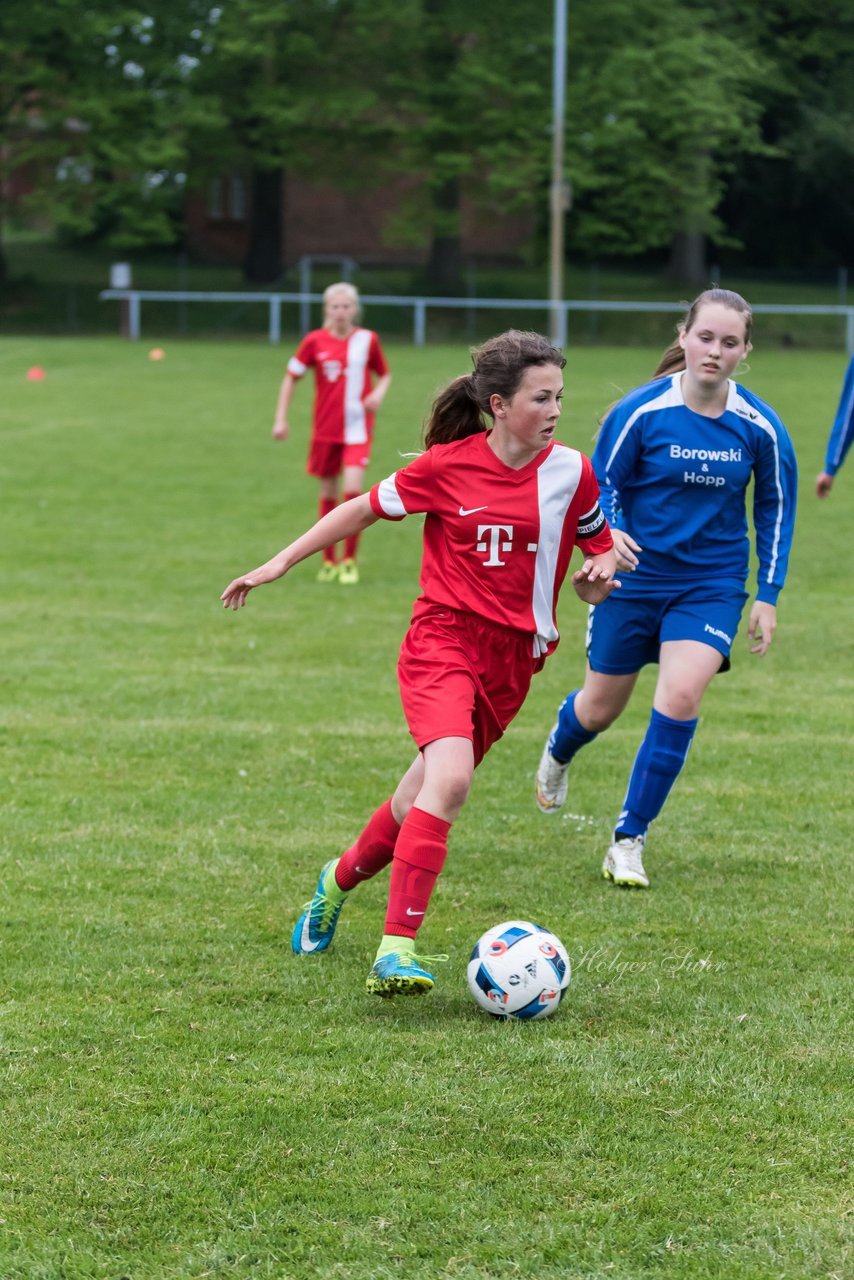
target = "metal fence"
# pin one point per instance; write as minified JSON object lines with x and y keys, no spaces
{"x":134,"y":298}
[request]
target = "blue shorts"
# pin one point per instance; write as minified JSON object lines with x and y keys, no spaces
{"x":625,"y":632}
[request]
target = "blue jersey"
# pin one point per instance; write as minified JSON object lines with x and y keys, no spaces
{"x":677,"y":482}
{"x":842,"y":431}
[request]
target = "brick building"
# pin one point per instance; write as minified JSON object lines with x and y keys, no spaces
{"x":318,"y":218}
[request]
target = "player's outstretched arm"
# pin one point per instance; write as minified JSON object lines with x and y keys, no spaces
{"x":595,"y":580}
{"x":349,"y":518}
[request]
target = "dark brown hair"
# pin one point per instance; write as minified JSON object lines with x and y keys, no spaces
{"x":673,"y":358}
{"x":462,"y":409}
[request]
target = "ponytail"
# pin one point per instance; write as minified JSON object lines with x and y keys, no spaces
{"x":672,"y":360}
{"x":455,"y":413}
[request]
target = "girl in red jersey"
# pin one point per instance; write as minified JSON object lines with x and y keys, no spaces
{"x":505,"y":505}
{"x":344,"y":357}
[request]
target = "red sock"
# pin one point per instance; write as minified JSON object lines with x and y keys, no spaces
{"x":419,"y":856}
{"x":324,"y":506}
{"x":351,"y":543}
{"x":373,"y":850}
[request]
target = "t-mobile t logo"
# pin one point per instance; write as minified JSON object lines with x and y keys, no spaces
{"x":494,"y":545}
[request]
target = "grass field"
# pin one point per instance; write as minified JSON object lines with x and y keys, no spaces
{"x":183,"y":1098}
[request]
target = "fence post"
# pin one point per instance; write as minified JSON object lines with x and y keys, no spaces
{"x":305,"y":289}
{"x":275,"y":318}
{"x":420,"y":319}
{"x":849,"y":331}
{"x":133,"y":316}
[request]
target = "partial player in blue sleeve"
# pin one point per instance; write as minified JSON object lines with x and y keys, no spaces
{"x":841,"y":435}
{"x":674,"y":461}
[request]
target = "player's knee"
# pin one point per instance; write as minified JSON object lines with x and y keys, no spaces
{"x":599,"y":714}
{"x":453,"y":790}
{"x":683,"y":702}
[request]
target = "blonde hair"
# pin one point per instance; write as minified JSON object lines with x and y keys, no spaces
{"x":673,"y":359}
{"x":462,"y":408}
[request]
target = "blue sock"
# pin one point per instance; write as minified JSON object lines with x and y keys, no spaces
{"x":657,"y":765}
{"x":569,"y":734}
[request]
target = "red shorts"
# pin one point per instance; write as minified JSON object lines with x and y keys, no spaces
{"x":462,"y":677}
{"x":325,"y":460}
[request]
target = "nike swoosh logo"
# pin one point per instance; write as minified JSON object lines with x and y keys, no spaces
{"x":305,"y":938}
{"x":470,"y":512}
{"x":362,"y":871}
{"x":410,"y":912}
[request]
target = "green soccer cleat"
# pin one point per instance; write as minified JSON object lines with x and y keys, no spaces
{"x":348,"y":573}
{"x":329,"y":571}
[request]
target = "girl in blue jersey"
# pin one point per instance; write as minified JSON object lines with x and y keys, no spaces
{"x":841,"y":435}
{"x":674,"y":460}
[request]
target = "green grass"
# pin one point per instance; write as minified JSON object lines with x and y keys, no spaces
{"x":183,"y":1098}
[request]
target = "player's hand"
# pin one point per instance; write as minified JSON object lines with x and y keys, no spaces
{"x":280,"y":431}
{"x":762,"y":625}
{"x":234,"y":596}
{"x":372,"y":401}
{"x":823,"y":484}
{"x":593,"y":582}
{"x":627,"y":550}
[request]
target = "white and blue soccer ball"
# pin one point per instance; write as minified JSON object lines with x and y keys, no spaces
{"x":518,"y":970}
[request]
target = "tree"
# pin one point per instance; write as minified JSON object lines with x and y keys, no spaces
{"x":287,"y":87}
{"x":470,"y":88}
{"x":796,"y":206}
{"x":92,"y":108}
{"x":659,"y":119}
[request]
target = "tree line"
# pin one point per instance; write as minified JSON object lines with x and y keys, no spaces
{"x":689,"y":125}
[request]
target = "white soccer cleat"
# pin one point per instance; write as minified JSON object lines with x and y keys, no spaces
{"x":623,"y":863}
{"x":552,"y":780}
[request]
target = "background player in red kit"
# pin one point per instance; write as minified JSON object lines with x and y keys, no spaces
{"x":505,"y":505}
{"x":344,"y":357}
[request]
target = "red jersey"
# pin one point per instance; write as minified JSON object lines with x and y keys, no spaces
{"x":342,"y":375}
{"x":498,"y":541}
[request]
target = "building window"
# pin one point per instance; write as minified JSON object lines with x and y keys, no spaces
{"x":215,"y":210}
{"x":238,"y":199}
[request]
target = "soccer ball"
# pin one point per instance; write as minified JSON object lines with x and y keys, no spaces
{"x":518,"y":970}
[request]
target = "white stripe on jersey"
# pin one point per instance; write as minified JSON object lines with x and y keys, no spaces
{"x":557,"y":482}
{"x":589,"y":631}
{"x":390,"y":498}
{"x":670,"y":396}
{"x":296,"y":367}
{"x":355,"y":425}
{"x":745,"y":408}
